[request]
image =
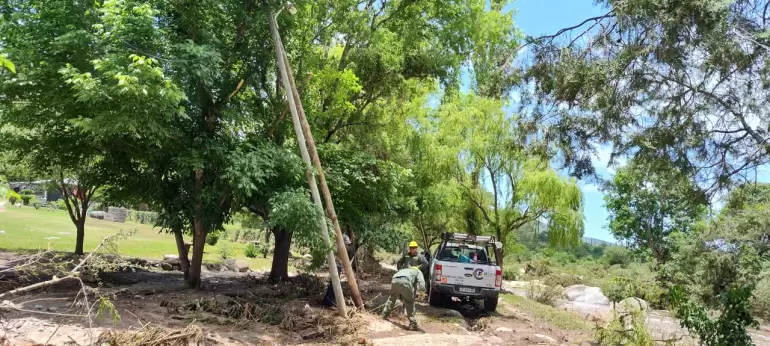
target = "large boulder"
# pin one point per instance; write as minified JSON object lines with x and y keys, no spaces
{"x":632,"y":304}
{"x":96,"y":214}
{"x":573,"y":292}
{"x":585,"y":294}
{"x":240,"y":266}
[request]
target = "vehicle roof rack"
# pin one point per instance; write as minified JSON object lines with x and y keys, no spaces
{"x":469,"y":237}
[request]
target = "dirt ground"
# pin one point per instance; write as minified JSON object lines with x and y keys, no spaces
{"x":245,"y":309}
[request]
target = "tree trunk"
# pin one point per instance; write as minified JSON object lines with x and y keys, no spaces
{"x":184,"y":261}
{"x":80,"y":225}
{"x":199,"y":242}
{"x":267,"y":242}
{"x":280,"y":268}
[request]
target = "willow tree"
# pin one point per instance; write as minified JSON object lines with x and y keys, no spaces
{"x":508,"y":184}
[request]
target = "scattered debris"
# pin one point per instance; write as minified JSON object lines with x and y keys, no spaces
{"x":156,"y":336}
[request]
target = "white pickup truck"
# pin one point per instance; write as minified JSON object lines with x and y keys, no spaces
{"x":466,"y":267}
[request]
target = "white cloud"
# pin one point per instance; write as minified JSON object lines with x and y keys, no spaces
{"x":603,"y":154}
{"x":601,"y":160}
{"x":589,"y":188}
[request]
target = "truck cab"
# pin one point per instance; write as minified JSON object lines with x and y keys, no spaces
{"x":467,"y":267}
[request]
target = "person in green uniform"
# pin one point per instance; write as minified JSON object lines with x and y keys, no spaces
{"x":412,"y":258}
{"x":405,"y":286}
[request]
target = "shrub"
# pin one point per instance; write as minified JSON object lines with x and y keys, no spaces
{"x":142,"y":217}
{"x":236,"y":235}
{"x":13,"y":197}
{"x":544,"y":294}
{"x":619,"y":288}
{"x":729,"y":328}
{"x":510,"y":274}
{"x":760,"y":300}
{"x":251,"y":251}
{"x":26,"y":199}
{"x":617,"y":255}
{"x":625,"y":329}
{"x":27,"y":192}
{"x":654,"y":294}
{"x":37,"y":204}
{"x":560,"y":257}
{"x":563,"y":280}
{"x":518,"y":252}
{"x":249,"y":235}
{"x":539,"y":268}
{"x":212,"y":238}
{"x":225,"y":252}
{"x":61,"y":204}
{"x":264,"y":248}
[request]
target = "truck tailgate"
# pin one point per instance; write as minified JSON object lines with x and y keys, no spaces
{"x":468,"y":274}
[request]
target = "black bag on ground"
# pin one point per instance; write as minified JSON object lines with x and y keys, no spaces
{"x":329,"y":298}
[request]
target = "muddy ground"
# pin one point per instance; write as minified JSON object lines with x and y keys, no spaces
{"x":246,"y":309}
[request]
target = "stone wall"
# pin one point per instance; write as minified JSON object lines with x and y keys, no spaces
{"x":116,"y":214}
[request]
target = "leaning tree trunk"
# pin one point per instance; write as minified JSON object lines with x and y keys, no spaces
{"x":184,"y":261}
{"x":280,"y":268}
{"x":199,"y":242}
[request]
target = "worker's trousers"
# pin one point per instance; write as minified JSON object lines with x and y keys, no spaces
{"x":402,"y":289}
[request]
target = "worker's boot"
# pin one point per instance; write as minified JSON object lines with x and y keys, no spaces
{"x":413,"y":326}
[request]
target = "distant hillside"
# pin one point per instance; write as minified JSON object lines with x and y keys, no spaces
{"x":537,"y":233}
{"x":594,"y":241}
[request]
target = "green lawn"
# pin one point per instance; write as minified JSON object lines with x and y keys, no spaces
{"x":29,"y":229}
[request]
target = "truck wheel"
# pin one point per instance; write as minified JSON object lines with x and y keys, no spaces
{"x":490,"y":304}
{"x":435,"y":299}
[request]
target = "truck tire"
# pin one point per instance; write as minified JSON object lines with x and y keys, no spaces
{"x":435,"y":298}
{"x":490,"y":304}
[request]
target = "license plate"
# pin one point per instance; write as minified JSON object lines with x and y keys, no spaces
{"x":466,"y":289}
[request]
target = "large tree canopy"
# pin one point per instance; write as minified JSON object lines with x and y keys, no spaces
{"x":686,"y":80}
{"x":647,"y":204}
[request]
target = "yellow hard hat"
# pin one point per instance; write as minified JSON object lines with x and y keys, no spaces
{"x":412,"y":243}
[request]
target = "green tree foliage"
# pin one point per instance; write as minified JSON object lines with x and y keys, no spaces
{"x":369,"y":195}
{"x":617,"y":255}
{"x":438,"y":202}
{"x":729,"y":328}
{"x":42,"y":105}
{"x":7,"y":64}
{"x":682,"y":80}
{"x":745,"y":197}
{"x":174,"y":104}
{"x":648,"y":203}
{"x":524,"y":188}
{"x":726,"y":253}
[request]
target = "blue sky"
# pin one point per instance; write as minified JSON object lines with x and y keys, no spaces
{"x":540,"y":17}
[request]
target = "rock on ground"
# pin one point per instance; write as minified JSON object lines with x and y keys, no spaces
{"x":541,"y":339}
{"x":632,"y":304}
{"x":585,"y":294}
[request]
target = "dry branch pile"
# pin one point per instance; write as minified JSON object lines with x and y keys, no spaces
{"x":150,"y":335}
{"x":291,"y":312}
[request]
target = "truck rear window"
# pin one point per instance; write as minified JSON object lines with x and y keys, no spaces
{"x":463,"y":254}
